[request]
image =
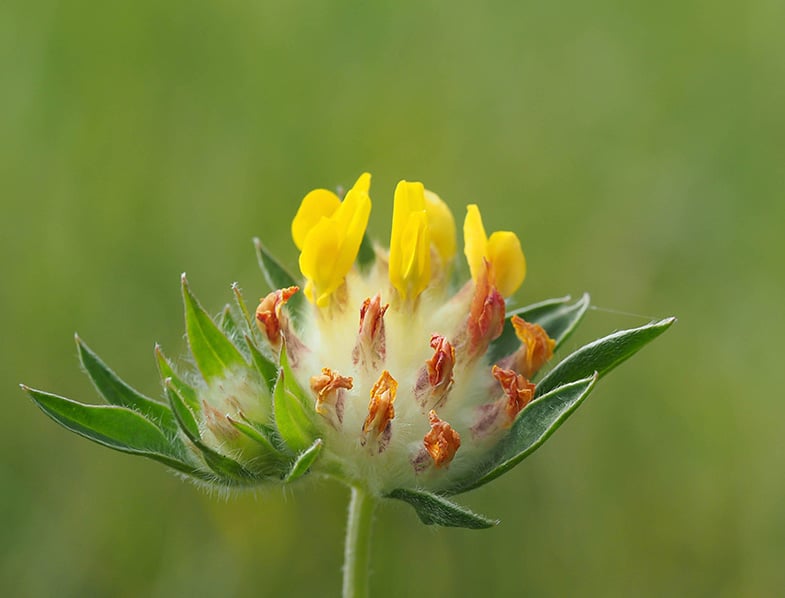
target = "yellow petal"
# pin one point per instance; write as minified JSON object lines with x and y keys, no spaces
{"x":475,"y":241}
{"x":318,"y":204}
{"x":318,"y":261}
{"x":330,"y":245}
{"x":508,"y":262}
{"x":441,"y":225}
{"x":410,"y":244}
{"x":351,"y":220}
{"x":363,"y":183}
{"x":416,"y":253}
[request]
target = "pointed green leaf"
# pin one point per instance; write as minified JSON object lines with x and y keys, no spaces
{"x":239,"y":300}
{"x":212,"y":351}
{"x":275,"y":274}
{"x":230,"y":471}
{"x":289,"y":379}
{"x":227,"y":322}
{"x":602,"y":355}
{"x":187,"y":392}
{"x":113,"y":426}
{"x":181,"y":411}
{"x":532,"y":428}
{"x":255,"y":433}
{"x":266,"y":368}
{"x":305,"y":460}
{"x":277,"y":277}
{"x":557,"y":316}
{"x":271,"y":433}
{"x":264,"y":365}
{"x":117,"y":392}
{"x":366,"y":256}
{"x":291,"y":420}
{"x":296,"y":407}
{"x":434,"y":509}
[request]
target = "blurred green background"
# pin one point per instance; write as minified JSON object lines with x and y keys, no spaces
{"x":636,"y":148}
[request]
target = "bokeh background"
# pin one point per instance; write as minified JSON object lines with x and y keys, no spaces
{"x":636,"y":148}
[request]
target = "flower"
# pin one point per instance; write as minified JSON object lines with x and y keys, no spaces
{"x":375,"y":368}
{"x":396,"y":355}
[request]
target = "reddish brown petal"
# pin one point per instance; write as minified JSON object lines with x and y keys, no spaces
{"x":436,"y":378}
{"x":442,"y":442}
{"x":518,"y":390}
{"x":377,"y":426}
{"x":328,"y":387}
{"x":536,"y":347}
{"x":269,"y":316}
{"x":486,"y":314}
{"x":441,"y":365}
{"x":370,"y":347}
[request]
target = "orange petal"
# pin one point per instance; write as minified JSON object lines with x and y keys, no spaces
{"x":442,"y":442}
{"x":486,"y":314}
{"x":328,"y":387}
{"x":269,"y":318}
{"x":370,"y":348}
{"x":381,"y":412}
{"x":536,"y":347}
{"x":517,"y":388}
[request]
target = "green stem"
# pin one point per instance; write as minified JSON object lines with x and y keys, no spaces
{"x":357,"y":551}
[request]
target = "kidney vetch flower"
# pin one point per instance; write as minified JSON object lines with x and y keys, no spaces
{"x":380,"y":367}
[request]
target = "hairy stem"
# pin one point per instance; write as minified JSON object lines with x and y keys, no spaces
{"x":356,"y":554}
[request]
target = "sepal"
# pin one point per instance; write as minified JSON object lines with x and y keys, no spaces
{"x":290,"y":409}
{"x":249,"y":325}
{"x":266,"y":368}
{"x":185,"y":417}
{"x":212,"y":351}
{"x":186,"y":391}
{"x":258,"y":434}
{"x":227,"y":323}
{"x":289,"y":379}
{"x":304,"y":461}
{"x":292,"y":422}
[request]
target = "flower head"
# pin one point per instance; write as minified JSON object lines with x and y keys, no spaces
{"x":412,"y":346}
{"x":382,"y":372}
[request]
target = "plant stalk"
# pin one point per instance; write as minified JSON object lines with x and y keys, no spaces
{"x":357,"y":551}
